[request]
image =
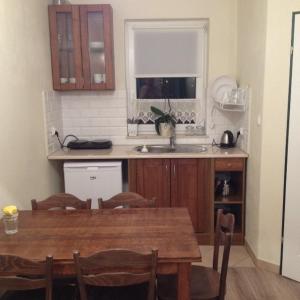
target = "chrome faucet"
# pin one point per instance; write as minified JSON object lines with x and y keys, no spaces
{"x":173,"y":138}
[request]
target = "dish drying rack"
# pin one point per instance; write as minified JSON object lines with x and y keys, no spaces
{"x":234,"y":100}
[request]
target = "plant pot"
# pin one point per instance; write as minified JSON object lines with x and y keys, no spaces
{"x":132,"y":129}
{"x":165,"y":129}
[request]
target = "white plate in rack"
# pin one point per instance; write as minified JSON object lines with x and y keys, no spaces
{"x":222,"y":86}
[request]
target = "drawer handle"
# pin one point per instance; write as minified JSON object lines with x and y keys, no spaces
{"x":229,"y":165}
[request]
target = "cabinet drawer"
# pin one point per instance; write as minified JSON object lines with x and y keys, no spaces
{"x":229,"y":164}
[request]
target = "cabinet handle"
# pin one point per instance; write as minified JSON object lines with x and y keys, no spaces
{"x":174,"y":169}
{"x":229,"y":165}
{"x":166,"y":167}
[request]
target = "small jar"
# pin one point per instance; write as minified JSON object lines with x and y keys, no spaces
{"x":10,"y":223}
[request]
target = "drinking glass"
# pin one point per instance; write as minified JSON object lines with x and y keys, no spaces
{"x":10,"y":224}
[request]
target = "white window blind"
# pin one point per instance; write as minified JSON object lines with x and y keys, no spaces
{"x":168,"y":52}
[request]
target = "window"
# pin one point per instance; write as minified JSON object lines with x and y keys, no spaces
{"x":166,"y":88}
{"x":166,"y":60}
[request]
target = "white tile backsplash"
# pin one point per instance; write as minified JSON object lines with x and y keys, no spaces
{"x":52,"y":118}
{"x":95,"y":114}
{"x":104,"y":115}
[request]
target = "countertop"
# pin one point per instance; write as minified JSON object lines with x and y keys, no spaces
{"x":128,"y":152}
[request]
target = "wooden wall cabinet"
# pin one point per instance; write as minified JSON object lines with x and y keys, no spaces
{"x":176,"y":183}
{"x":81,"y":38}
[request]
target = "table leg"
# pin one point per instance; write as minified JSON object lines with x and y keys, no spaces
{"x":183,"y":283}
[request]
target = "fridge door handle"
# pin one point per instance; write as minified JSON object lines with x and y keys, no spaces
{"x":92,"y":168}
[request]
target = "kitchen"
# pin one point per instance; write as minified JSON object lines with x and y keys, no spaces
{"x":234,"y":27}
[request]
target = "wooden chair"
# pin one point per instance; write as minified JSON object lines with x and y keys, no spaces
{"x":126,"y":200}
{"x":121,"y":273}
{"x":18,"y":274}
{"x":61,"y":201}
{"x":206,"y":283}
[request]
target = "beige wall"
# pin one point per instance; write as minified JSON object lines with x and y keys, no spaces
{"x":279,"y":23}
{"x":250,"y":69}
{"x":25,"y":73}
{"x":222,"y":35}
{"x":263,"y":61}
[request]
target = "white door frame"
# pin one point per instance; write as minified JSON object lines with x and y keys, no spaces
{"x":290,"y":250}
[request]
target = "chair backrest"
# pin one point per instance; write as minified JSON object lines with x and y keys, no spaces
{"x":126,"y":200}
{"x":223,"y":236}
{"x":17,"y":273}
{"x":61,"y":201}
{"x":116,"y":267}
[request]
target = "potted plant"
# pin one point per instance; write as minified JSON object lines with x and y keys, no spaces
{"x":165,"y":123}
{"x":132,"y":127}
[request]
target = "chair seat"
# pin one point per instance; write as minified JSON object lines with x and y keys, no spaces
{"x":61,"y":293}
{"x":204,"y":284}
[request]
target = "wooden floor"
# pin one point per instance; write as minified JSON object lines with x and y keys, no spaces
{"x":246,"y":283}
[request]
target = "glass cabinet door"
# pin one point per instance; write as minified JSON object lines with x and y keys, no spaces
{"x":96,"y":34}
{"x":65,"y":47}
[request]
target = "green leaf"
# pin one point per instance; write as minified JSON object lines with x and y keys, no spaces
{"x":157,"y":111}
{"x":157,"y":122}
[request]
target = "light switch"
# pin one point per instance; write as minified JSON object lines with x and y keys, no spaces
{"x":258,"y":120}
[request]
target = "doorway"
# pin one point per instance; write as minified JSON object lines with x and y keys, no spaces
{"x":290,"y":257}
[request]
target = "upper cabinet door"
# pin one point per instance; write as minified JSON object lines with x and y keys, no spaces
{"x":65,"y":47}
{"x":97,"y":46}
{"x":81,"y":39}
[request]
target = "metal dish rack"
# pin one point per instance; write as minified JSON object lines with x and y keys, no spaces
{"x":235,"y":100}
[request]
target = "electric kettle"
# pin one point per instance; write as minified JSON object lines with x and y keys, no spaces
{"x":227,"y":139}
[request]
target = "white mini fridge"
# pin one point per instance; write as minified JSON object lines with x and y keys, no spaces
{"x":93,"y":180}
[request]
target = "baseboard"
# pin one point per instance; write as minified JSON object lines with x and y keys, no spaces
{"x":264,"y":265}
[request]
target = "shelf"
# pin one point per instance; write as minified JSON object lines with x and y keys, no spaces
{"x":231,"y":106}
{"x":233,"y":172}
{"x":236,"y":100}
{"x":229,"y":202}
{"x":233,"y":199}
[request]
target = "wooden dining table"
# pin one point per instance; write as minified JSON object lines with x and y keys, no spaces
{"x":60,"y":232}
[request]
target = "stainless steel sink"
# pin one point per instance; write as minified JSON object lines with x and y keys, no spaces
{"x":169,"y":149}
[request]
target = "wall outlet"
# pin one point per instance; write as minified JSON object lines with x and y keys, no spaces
{"x":52,"y":131}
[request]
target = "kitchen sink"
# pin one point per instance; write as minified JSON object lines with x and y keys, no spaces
{"x":169,"y":149}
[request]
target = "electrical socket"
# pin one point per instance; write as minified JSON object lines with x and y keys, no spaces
{"x":52,"y":131}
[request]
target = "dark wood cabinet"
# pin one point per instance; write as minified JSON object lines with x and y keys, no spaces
{"x":81,"y":38}
{"x":151,"y":178}
{"x":190,"y":187}
{"x":233,"y":171}
{"x":176,"y":183}
{"x":196,"y":184}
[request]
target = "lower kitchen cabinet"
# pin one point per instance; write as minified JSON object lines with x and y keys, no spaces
{"x":151,"y":178}
{"x":233,"y":172}
{"x":190,"y":187}
{"x":177,"y":183}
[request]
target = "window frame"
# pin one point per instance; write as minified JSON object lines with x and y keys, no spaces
{"x":201,"y":79}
